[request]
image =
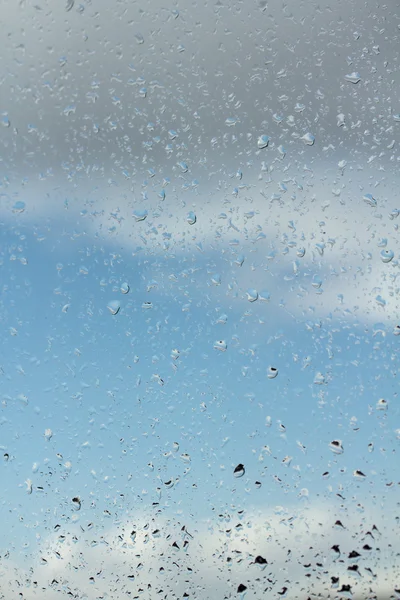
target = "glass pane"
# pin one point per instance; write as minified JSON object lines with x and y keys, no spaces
{"x":199,"y":308}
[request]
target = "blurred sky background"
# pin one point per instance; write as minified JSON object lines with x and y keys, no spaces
{"x":159,"y":255}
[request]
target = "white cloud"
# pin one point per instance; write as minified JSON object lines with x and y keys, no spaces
{"x":287,"y":539}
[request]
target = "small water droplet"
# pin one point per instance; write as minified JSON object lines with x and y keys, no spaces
{"x":139,"y":38}
{"x":387,"y":255}
{"x":125,"y":288}
{"x":300,"y":252}
{"x":262,"y":141}
{"x":5,"y":121}
{"x":114,"y":307}
{"x":239,"y":471}
{"x":353,"y":77}
{"x":299,"y":107}
{"x":381,"y":404}
{"x":216,"y":279}
{"x":231,"y":121}
{"x":48,"y":434}
{"x":370,"y":200}
{"x":358,"y":474}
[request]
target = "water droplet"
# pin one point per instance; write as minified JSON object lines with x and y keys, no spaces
{"x":258,"y":484}
{"x":370,"y":200}
{"x":287,"y":460}
{"x":353,"y":77}
{"x":76,"y":503}
{"x":175,"y":354}
{"x":252,"y":295}
{"x":169,"y":484}
{"x":396,"y":330}
{"x":382,"y":404}
{"x":300,"y":252}
{"x":231,"y":121}
{"x":191,"y":218}
{"x":272,"y":372}
{"x":260,"y":560}
{"x":5,"y":121}
{"x":239,"y":471}
{"x":185,"y":457}
{"x":239,"y":260}
{"x":220,"y":345}
{"x":264,"y":296}
{"x":319,"y":379}
{"x":262,"y":141}
{"x":114,"y":307}
{"x":48,"y":434}
{"x":387,"y":255}
{"x":358,"y":474}
{"x":19,"y":207}
{"x":139,"y":38}
{"x":308,"y":139}
{"x":340,"y":120}
{"x":299,"y":107}
{"x":216,"y":279}
{"x":316,"y":282}
{"x":140,"y":215}
{"x":396,"y":118}
{"x":183,"y":167}
{"x":336,"y":447}
{"x":125,"y":288}
{"x":28,"y":483}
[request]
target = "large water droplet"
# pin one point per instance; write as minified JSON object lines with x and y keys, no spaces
{"x":220,"y":345}
{"x":140,"y":215}
{"x":381,"y":404}
{"x":76,"y":503}
{"x":239,"y":471}
{"x":262,"y":141}
{"x":191,"y":218}
{"x":114,"y":307}
{"x":387,"y":255}
{"x":272,"y":372}
{"x":308,"y":139}
{"x":336,"y":447}
{"x":252,"y":295}
{"x":353,"y":77}
{"x":19,"y":207}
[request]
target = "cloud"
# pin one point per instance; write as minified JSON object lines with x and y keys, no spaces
{"x":171,"y":556}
